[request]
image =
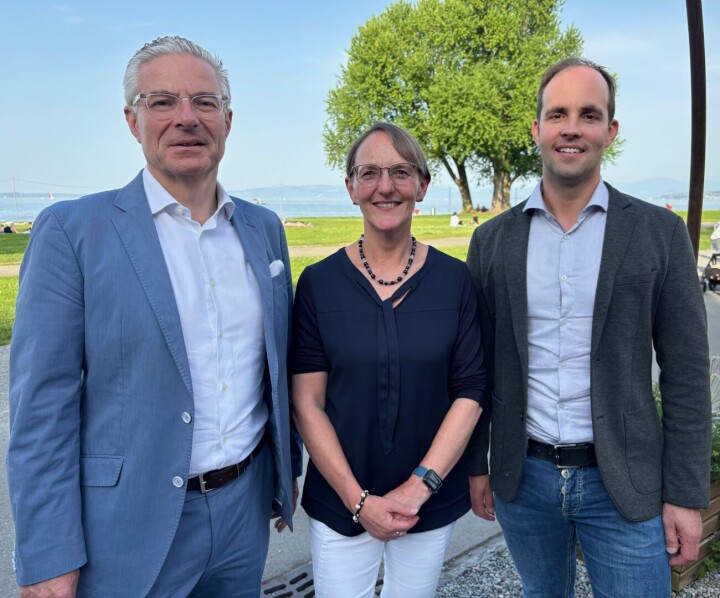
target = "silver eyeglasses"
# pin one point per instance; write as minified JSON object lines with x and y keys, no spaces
{"x":166,"y":105}
{"x":368,"y":175}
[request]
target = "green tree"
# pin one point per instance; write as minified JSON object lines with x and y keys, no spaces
{"x":462,"y":76}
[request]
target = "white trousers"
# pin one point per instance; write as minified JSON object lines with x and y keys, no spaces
{"x":349,"y":567}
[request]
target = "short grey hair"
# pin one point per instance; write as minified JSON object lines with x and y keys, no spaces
{"x":167,"y":46}
{"x":404,"y":143}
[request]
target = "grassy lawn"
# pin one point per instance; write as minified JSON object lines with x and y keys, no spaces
{"x":12,"y":248}
{"x":8,"y":292}
{"x":322,"y":231}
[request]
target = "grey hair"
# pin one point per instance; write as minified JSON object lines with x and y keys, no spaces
{"x":167,"y":46}
{"x":570,"y":62}
{"x":404,"y":143}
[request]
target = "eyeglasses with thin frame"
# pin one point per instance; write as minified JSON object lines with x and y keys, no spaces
{"x":368,"y":175}
{"x":166,"y":105}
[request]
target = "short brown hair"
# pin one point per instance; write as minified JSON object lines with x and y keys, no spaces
{"x":567,"y":63}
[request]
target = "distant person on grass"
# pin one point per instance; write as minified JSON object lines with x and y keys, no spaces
{"x":388,"y":383}
{"x":576,"y":286}
{"x":149,"y":420}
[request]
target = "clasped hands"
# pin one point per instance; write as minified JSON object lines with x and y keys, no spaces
{"x":390,"y":516}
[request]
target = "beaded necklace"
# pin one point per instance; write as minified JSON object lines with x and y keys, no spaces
{"x":372,"y":275}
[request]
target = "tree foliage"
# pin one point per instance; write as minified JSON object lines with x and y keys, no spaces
{"x":461,"y":75}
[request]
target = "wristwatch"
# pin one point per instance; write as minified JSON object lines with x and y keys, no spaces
{"x":432,"y":480}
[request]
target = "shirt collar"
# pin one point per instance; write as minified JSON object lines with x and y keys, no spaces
{"x":599,"y":199}
{"x":160,"y":200}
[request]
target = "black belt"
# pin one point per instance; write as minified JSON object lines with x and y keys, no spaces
{"x":563,"y":455}
{"x":217,"y":478}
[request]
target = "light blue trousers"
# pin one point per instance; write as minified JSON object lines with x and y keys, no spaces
{"x":222,"y":540}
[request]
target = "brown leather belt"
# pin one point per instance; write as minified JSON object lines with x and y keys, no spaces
{"x":217,"y":478}
{"x":563,"y":455}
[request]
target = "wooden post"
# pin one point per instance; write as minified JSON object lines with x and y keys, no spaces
{"x":696,"y":38}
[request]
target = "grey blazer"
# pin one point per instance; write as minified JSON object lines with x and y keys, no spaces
{"x":647,"y":295}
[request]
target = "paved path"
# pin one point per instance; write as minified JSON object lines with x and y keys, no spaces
{"x":295,"y":251}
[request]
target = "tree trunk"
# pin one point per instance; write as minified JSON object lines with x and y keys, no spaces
{"x":464,"y":187}
{"x":501,"y":191}
{"x":460,"y":179}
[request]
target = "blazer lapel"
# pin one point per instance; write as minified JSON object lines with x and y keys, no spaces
{"x":515,"y":245}
{"x":136,"y":228}
{"x":619,"y":226}
{"x":254,"y":246}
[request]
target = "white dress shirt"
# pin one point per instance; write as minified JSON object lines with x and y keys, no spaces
{"x":562,"y":273}
{"x":218,"y":299}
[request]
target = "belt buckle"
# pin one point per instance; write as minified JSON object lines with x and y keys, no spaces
{"x":201,"y":479}
{"x":557,"y":454}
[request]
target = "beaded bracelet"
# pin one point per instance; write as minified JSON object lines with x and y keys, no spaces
{"x":360,"y":505}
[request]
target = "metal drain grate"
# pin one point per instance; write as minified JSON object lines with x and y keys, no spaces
{"x":298,"y":583}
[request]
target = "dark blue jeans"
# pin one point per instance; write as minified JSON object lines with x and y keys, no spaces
{"x":553,"y":510}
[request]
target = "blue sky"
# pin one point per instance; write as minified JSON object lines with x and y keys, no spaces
{"x":63,"y":62}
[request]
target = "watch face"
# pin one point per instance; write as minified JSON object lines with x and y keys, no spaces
{"x":432,"y":481}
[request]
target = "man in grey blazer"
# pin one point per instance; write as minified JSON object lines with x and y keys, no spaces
{"x":150,"y":437}
{"x":576,"y":286}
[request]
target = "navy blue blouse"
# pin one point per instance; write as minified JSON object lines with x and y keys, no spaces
{"x":393,"y":374}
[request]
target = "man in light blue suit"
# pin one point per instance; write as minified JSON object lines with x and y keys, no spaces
{"x":150,"y":435}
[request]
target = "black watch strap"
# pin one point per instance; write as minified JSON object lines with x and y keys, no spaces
{"x":432,"y":480}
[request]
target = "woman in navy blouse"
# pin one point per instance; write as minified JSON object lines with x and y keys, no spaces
{"x":388,"y":384}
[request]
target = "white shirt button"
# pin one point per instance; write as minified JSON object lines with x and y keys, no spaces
{"x":563,"y":277}
{"x":213,"y":283}
{"x":224,"y":386}
{"x":178,"y":482}
{"x":186,"y":417}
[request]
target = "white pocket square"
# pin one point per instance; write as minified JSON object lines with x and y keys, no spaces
{"x":276,"y":268}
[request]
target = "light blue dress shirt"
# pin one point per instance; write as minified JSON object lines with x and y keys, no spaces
{"x":562,"y":273}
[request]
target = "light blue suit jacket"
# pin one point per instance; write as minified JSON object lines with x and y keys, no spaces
{"x":99,"y":382}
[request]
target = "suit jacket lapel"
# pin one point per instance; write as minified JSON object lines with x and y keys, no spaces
{"x":619,"y":226}
{"x":515,"y":243}
{"x":136,"y":228}
{"x":254,"y":246}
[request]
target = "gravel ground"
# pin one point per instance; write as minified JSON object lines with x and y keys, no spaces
{"x":492,"y":575}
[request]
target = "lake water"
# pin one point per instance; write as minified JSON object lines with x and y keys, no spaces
{"x":311,"y":201}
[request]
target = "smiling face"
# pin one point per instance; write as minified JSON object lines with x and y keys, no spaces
{"x":574,"y":128}
{"x":189,"y":146}
{"x":388,"y":206}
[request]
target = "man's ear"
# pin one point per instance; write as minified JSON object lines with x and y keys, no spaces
{"x":536,"y":131}
{"x":228,"y":122}
{"x":132,"y":121}
{"x":613,"y":129}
